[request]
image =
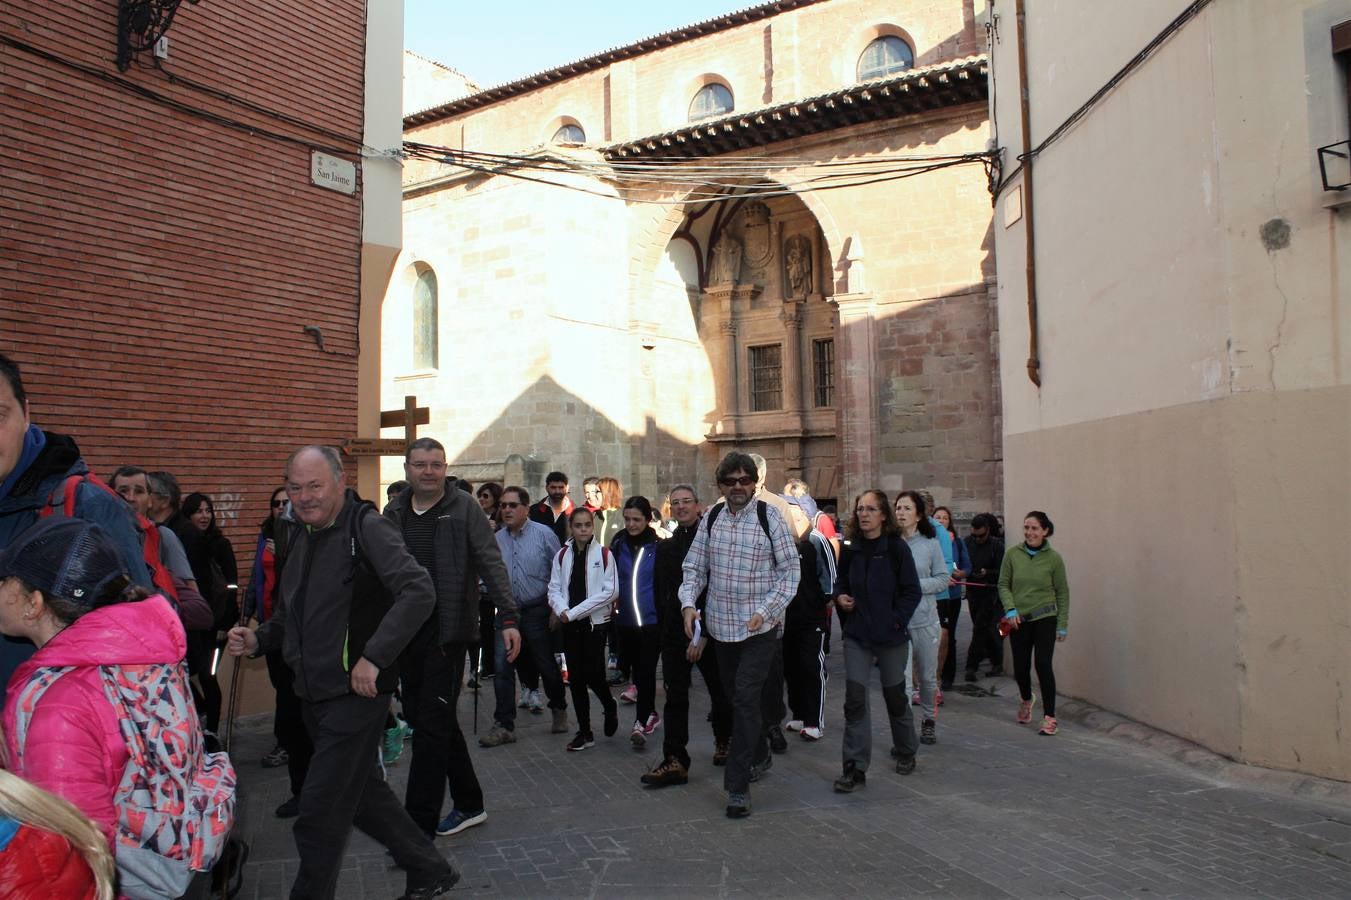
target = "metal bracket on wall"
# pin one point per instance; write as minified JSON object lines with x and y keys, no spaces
{"x":140,"y":24}
{"x":1339,"y":155}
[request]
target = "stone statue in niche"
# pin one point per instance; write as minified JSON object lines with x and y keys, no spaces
{"x":797,"y":261}
{"x":726,"y":268}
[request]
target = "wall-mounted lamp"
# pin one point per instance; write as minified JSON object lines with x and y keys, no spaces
{"x":140,"y":25}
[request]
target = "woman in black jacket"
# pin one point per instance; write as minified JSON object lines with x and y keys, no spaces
{"x":877,"y":592}
{"x":213,"y":565}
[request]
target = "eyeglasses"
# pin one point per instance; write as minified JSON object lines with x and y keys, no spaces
{"x":743,"y":481}
{"x":866,"y":509}
{"x":508,"y":504}
{"x":278,"y":504}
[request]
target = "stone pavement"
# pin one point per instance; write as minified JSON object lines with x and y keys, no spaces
{"x":994,"y":810}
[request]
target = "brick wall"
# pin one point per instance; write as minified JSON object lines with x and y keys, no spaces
{"x":157,"y":268}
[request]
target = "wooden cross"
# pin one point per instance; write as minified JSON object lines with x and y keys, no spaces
{"x":410,"y":417}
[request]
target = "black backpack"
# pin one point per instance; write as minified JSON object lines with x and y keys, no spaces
{"x":761,"y":512}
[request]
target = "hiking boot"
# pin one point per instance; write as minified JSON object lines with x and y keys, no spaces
{"x":761,"y":769}
{"x":560,"y":725}
{"x":720,"y":750}
{"x":793,"y":725}
{"x":812,"y":733}
{"x":777,"y":742}
{"x":670,"y":771}
{"x":851,"y":779}
{"x":458,"y":821}
{"x":1048,"y":726}
{"x":288,"y":810}
{"x":905,"y":765}
{"x":630,"y":694}
{"x":580,"y":741}
{"x":738,"y":805}
{"x":1025,"y":710}
{"x":638,"y":736}
{"x":278,"y":757}
{"x":611,"y":722}
{"x":652,"y":724}
{"x":497,"y":736}
{"x":926,"y":732}
{"x":441,"y":886}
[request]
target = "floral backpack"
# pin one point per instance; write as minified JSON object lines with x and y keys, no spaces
{"x":175,"y":803}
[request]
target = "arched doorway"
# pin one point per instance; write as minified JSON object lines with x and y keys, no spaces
{"x":759,"y":290}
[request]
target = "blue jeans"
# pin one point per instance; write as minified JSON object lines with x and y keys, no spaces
{"x":535,"y":642}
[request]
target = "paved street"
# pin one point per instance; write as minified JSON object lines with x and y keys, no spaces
{"x":994,"y":810}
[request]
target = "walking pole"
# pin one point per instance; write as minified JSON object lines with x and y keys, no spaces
{"x":234,"y":689}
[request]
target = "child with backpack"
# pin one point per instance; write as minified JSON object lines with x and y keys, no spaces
{"x":102,"y":715}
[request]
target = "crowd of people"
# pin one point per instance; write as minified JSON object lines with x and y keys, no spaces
{"x":362,"y":613}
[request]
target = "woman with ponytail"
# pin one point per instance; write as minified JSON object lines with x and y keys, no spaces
{"x":62,"y":587}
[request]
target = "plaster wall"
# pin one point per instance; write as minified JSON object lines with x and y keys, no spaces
{"x":1192,"y":418}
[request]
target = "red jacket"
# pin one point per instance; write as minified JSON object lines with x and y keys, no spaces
{"x":74,"y":748}
{"x":42,"y":865}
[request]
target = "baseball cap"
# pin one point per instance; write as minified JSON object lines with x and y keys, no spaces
{"x":66,"y":558}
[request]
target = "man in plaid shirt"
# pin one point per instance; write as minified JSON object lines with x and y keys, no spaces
{"x":751,"y":577}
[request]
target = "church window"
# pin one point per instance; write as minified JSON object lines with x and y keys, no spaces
{"x":766,"y":377}
{"x":426,"y":333}
{"x":886,"y":55}
{"x":569,"y":134}
{"x":823,"y":371}
{"x":711,"y":100}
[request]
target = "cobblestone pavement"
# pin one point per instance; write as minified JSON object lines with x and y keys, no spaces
{"x":994,"y":810}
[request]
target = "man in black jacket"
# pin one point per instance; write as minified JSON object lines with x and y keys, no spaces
{"x":351,"y":598}
{"x":679,"y":655}
{"x":447,"y":533}
{"x":987,"y":553}
{"x":555,"y":508}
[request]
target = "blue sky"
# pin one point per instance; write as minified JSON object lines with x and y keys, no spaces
{"x":494,"y":43}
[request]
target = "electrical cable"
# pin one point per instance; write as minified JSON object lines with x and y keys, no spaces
{"x":1190,"y":12}
{"x":172,"y":103}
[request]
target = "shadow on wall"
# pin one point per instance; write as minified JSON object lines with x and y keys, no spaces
{"x":547,"y":428}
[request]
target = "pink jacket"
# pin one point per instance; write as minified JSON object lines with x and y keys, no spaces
{"x":74,"y":748}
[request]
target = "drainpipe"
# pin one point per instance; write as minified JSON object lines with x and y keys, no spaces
{"x":1033,"y":360}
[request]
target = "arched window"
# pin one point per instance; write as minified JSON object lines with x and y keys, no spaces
{"x":426,"y":334}
{"x":569,"y":134}
{"x":711,"y":100}
{"x":885,"y":56}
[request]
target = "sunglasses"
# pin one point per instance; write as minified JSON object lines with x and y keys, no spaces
{"x":508,"y":504}
{"x":743,"y":481}
{"x":278,"y":504}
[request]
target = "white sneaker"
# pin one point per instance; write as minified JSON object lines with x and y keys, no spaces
{"x":812,"y":733}
{"x":793,"y":725}
{"x":537,"y":701}
{"x":525,"y":698}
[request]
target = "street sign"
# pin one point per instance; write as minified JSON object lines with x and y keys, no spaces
{"x":375,"y":446}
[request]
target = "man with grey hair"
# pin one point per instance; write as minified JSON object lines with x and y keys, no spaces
{"x":351,"y":599}
{"x":680,"y":654}
{"x":745,"y":557}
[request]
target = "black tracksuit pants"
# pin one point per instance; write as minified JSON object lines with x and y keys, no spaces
{"x":585,"y":649}
{"x":430,"y":679}
{"x":346,"y":786}
{"x":288,"y":725}
{"x":677,"y":674}
{"x":804,"y":672}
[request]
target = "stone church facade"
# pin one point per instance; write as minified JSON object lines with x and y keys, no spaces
{"x":711,"y":239}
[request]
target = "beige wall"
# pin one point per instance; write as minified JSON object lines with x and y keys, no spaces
{"x":1189,"y":436}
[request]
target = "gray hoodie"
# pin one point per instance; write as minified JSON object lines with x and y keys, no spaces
{"x":933,"y":578}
